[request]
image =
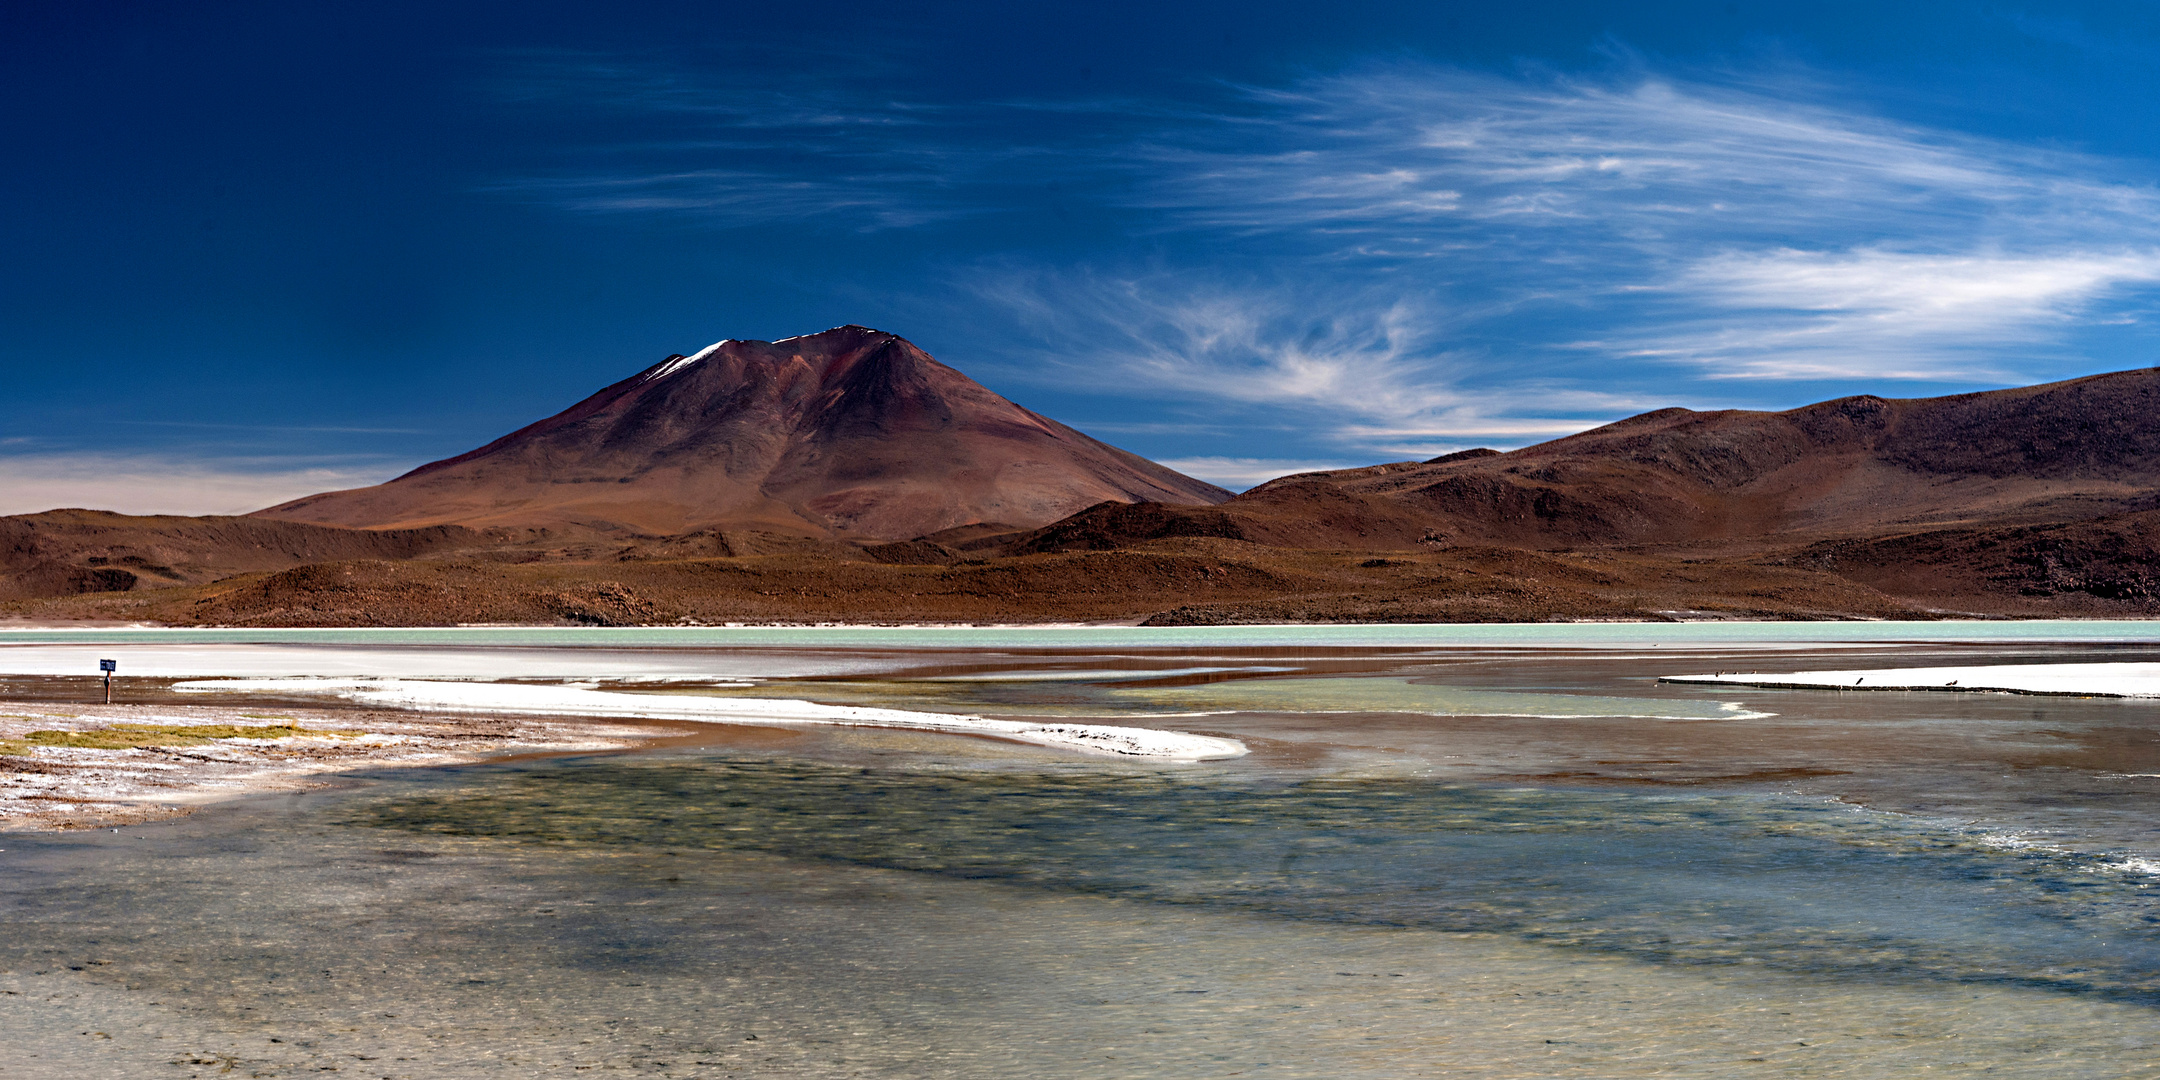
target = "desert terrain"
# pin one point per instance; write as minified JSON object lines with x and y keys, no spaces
{"x":848,"y":477}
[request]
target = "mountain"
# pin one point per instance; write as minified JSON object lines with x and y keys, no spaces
{"x":853,"y":433}
{"x":821,"y":478}
{"x":1724,"y":482}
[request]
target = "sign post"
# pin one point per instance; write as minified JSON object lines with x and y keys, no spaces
{"x":108,"y":667}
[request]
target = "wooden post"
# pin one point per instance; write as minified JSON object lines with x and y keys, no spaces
{"x":107,"y":667}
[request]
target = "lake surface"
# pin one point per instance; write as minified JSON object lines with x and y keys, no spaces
{"x":1453,"y":851}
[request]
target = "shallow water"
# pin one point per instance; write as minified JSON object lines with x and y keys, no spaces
{"x":1466,"y":861}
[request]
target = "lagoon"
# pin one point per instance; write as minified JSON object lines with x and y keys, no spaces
{"x":1451,"y":851}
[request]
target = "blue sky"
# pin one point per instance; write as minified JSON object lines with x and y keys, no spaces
{"x":257,"y":250}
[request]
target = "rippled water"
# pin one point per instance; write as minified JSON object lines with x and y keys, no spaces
{"x":1470,"y":863}
{"x":1802,"y":886}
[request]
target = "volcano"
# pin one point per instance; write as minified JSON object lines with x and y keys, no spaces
{"x":851,"y":433}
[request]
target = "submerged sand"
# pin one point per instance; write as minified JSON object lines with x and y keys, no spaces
{"x":47,"y":784}
{"x":65,"y":766}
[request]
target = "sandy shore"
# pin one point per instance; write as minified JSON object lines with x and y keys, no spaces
{"x":45,"y":783}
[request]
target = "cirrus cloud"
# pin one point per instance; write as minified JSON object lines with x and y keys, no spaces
{"x":1404,"y":257}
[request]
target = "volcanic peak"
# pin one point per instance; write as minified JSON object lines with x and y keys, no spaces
{"x":851,"y":431}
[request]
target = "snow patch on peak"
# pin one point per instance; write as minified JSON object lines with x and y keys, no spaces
{"x":831,"y":329}
{"x":681,"y":362}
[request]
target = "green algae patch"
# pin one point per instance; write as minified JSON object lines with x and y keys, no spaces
{"x":130,"y":736}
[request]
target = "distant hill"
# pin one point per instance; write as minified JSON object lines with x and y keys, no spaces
{"x":1725,"y":482}
{"x":851,"y":433}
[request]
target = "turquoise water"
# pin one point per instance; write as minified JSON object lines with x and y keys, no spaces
{"x":1489,"y":861}
{"x":1803,"y":886}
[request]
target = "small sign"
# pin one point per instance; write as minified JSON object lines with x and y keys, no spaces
{"x":108,"y":665}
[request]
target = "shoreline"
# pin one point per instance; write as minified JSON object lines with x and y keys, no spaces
{"x":14,"y":624}
{"x":672,"y":639}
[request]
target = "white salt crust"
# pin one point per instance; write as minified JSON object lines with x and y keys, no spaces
{"x":575,"y":701}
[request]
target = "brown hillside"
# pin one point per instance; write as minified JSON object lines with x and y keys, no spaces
{"x":1189,"y":581}
{"x":1854,"y":466}
{"x":2068,"y":565}
{"x":853,"y":433}
{"x":66,"y":552}
{"x":1725,"y":482}
{"x":2032,"y":502}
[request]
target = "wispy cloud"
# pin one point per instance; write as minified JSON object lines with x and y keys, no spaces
{"x":1655,"y":211}
{"x":1353,"y":368}
{"x":162,"y":484}
{"x":1633,"y":158}
{"x":1415,"y":257}
{"x":733,"y":150}
{"x":1239,"y":344}
{"x":1799,"y":314}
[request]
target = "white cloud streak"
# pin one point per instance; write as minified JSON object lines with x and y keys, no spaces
{"x":153,"y":484}
{"x":1238,"y":345}
{"x":1638,"y":158}
{"x":745,"y":152}
{"x":1729,"y":228}
{"x":1891,"y":314}
{"x":1406,"y":257}
{"x":1355,"y":370}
